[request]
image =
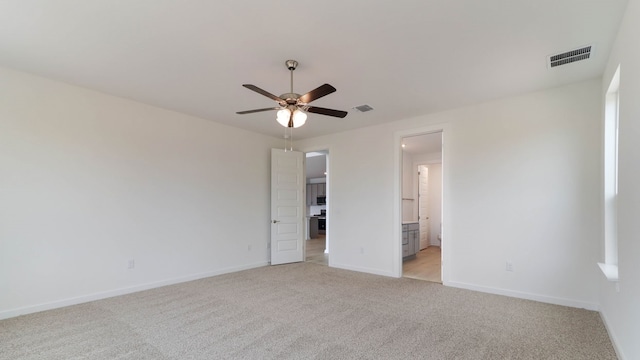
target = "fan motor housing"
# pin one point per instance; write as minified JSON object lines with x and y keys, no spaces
{"x":290,"y":98}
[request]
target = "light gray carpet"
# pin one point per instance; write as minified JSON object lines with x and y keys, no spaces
{"x":307,"y":311}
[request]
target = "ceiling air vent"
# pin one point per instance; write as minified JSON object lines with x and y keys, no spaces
{"x":570,"y":56}
{"x":363,"y":108}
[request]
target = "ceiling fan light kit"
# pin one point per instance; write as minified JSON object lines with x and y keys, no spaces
{"x":285,"y":119}
{"x":293,"y":107}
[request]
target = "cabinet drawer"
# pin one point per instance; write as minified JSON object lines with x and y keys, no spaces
{"x":405,"y":250}
{"x":414,"y":226}
{"x":405,"y":238}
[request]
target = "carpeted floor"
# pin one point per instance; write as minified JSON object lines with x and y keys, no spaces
{"x":307,"y":311}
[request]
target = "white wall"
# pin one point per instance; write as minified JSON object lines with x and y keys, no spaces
{"x":532,"y":158}
{"x":621,"y":310}
{"x":428,"y":158}
{"x":316,"y":209}
{"x":408,"y":198}
{"x":90,"y":181}
{"x":435,"y":202}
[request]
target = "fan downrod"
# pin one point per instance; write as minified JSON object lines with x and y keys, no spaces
{"x":291,"y":98}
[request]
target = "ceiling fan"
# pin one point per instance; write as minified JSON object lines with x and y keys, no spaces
{"x":292,"y":106}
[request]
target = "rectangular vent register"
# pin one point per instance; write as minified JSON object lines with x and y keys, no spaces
{"x":568,"y":57}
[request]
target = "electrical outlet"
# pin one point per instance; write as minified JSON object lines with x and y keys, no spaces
{"x":131,"y":264}
{"x":509,"y":266}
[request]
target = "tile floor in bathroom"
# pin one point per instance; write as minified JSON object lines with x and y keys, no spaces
{"x":426,"y":265}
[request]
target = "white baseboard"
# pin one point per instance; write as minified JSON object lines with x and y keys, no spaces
{"x":524,"y":295}
{"x":612,"y":336}
{"x":122,"y":291}
{"x":362,"y":269}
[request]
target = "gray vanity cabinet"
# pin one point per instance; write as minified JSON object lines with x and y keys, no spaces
{"x":410,"y":240}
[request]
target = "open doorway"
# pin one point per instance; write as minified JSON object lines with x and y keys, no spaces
{"x":422,"y":207}
{"x":317,"y":191}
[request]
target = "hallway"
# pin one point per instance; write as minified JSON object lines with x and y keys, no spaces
{"x":315,"y":251}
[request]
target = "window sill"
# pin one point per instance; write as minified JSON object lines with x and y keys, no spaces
{"x":609,"y":271}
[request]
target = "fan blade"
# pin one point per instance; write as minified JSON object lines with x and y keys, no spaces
{"x":317,"y":93}
{"x":257,"y":110}
{"x":328,"y":112}
{"x":263,"y":92}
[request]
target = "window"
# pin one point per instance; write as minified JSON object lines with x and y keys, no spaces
{"x":611,"y":116}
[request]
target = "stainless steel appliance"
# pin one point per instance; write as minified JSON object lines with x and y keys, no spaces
{"x":322,"y":225}
{"x":322,"y":221}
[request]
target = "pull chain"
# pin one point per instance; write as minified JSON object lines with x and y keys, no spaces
{"x":285,"y":139}
{"x":290,"y":137}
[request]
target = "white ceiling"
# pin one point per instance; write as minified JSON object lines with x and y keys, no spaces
{"x":423,"y":144}
{"x":403,"y":58}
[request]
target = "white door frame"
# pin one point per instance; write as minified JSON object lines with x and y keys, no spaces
{"x":447,"y":237}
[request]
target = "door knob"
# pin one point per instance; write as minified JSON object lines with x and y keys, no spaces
{"x":276,"y":221}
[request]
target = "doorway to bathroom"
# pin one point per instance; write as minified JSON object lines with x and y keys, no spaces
{"x":422,"y":207}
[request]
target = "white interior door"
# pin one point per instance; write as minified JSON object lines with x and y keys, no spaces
{"x":423,"y":205}
{"x":287,"y":206}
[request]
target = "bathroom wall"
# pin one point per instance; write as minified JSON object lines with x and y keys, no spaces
{"x":409,"y":212}
{"x":435,"y":203}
